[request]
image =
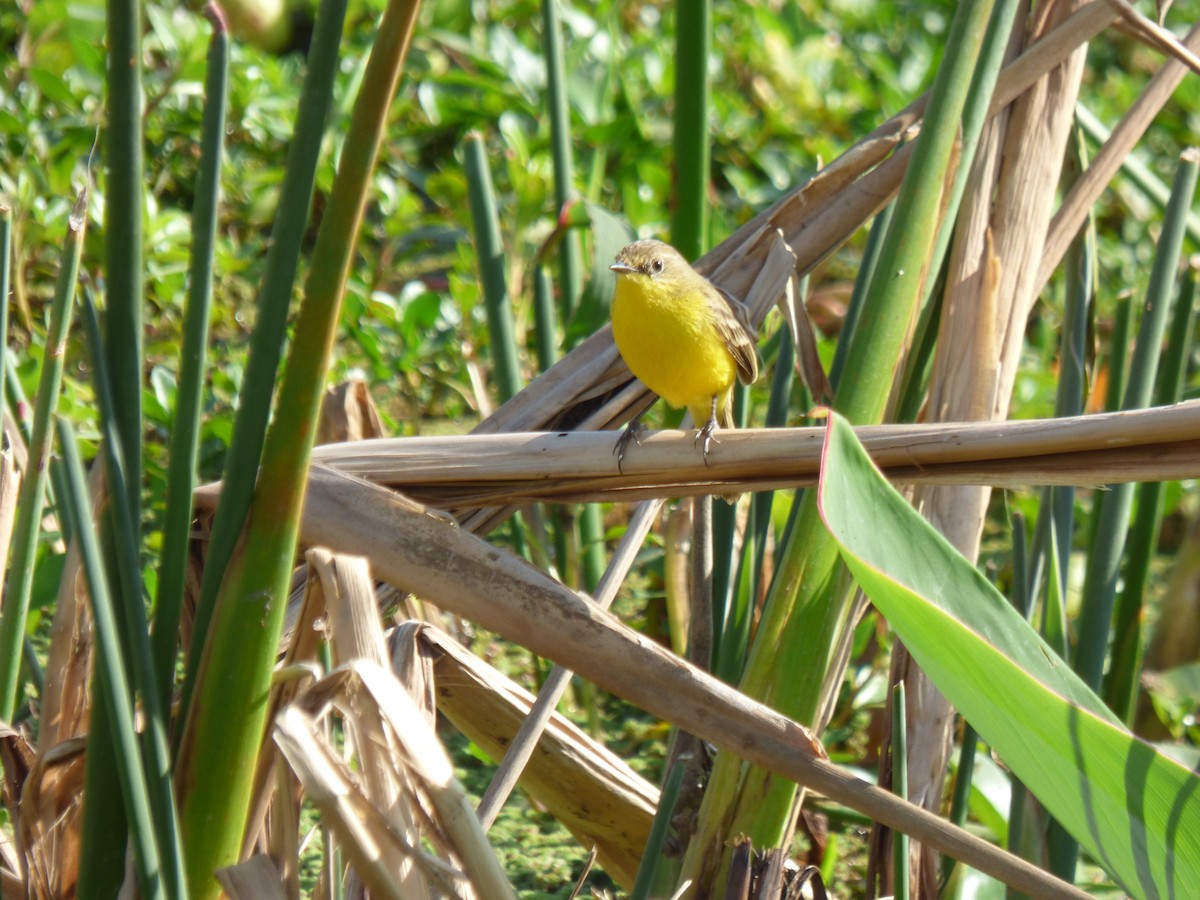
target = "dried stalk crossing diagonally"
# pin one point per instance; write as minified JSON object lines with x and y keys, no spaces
{"x":421,"y":551}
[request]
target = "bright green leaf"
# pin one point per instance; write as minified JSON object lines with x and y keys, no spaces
{"x":1134,"y":809}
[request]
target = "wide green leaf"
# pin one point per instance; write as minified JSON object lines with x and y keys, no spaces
{"x":1135,"y":810}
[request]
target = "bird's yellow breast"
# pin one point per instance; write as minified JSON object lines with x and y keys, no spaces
{"x":670,"y":342}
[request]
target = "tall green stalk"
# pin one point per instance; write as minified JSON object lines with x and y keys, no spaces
{"x":267,"y":341}
{"x":185,"y":428}
{"x":806,"y":607}
{"x":1104,"y":557}
{"x":113,"y":681}
{"x":1118,"y":357}
{"x":5,"y":277}
{"x":123,"y":209}
{"x":125,"y":590}
{"x":858,"y":296}
{"x":693,"y":38}
{"x":489,"y":252}
{"x":543,"y":305}
{"x":1121,"y":687}
{"x":735,"y":617}
{"x":570,"y":254}
{"x":31,"y":498}
{"x":226,"y":720}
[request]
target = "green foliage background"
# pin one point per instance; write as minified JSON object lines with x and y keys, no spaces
{"x":794,"y":85}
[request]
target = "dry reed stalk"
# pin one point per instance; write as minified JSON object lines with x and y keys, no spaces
{"x":424,"y":552}
{"x":370,"y":697}
{"x":348,"y":413}
{"x":363,"y":834}
{"x":1154,"y":35}
{"x":356,"y":634}
{"x":1142,"y":445}
{"x":66,"y":702}
{"x":285,"y":828}
{"x":1092,"y":183}
{"x":586,"y":787}
{"x":51,"y":800}
{"x":44,"y":791}
{"x":253,"y":879}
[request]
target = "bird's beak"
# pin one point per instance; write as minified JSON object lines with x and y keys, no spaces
{"x":622,"y":268}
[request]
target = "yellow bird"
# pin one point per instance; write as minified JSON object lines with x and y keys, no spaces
{"x":683,"y":338}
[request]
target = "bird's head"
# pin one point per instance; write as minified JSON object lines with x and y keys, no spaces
{"x":651,"y":259}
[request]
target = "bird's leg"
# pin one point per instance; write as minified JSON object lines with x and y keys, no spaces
{"x":628,"y":433}
{"x":705,"y":434}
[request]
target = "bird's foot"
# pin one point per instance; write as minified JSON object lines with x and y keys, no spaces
{"x":628,"y":433}
{"x":704,"y":436}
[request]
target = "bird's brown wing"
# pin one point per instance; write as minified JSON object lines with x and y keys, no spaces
{"x":733,"y":324}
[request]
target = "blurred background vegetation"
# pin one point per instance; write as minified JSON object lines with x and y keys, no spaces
{"x":794,"y":85}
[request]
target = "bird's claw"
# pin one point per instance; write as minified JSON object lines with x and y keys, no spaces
{"x":705,"y":435}
{"x":628,"y":433}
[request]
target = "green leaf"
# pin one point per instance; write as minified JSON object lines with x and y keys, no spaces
{"x":1130,"y":806}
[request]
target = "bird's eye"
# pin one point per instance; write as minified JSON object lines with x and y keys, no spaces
{"x":656,"y":266}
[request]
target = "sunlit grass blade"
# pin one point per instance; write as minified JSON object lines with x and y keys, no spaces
{"x":125,"y":596}
{"x":19,"y":581}
{"x":659,"y":830}
{"x":544,"y":319}
{"x":1121,"y":686}
{"x":124,"y":207}
{"x":184,"y":449}
{"x":1104,"y":555}
{"x":1119,"y":797}
{"x":690,"y":136}
{"x":112,"y":679}
{"x":735,"y":617}
{"x":5,"y":279}
{"x":493,"y":281}
{"x":1124,"y":318}
{"x":570,"y":254}
{"x":862,"y":281}
{"x":267,"y":341}
{"x":226,"y":722}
